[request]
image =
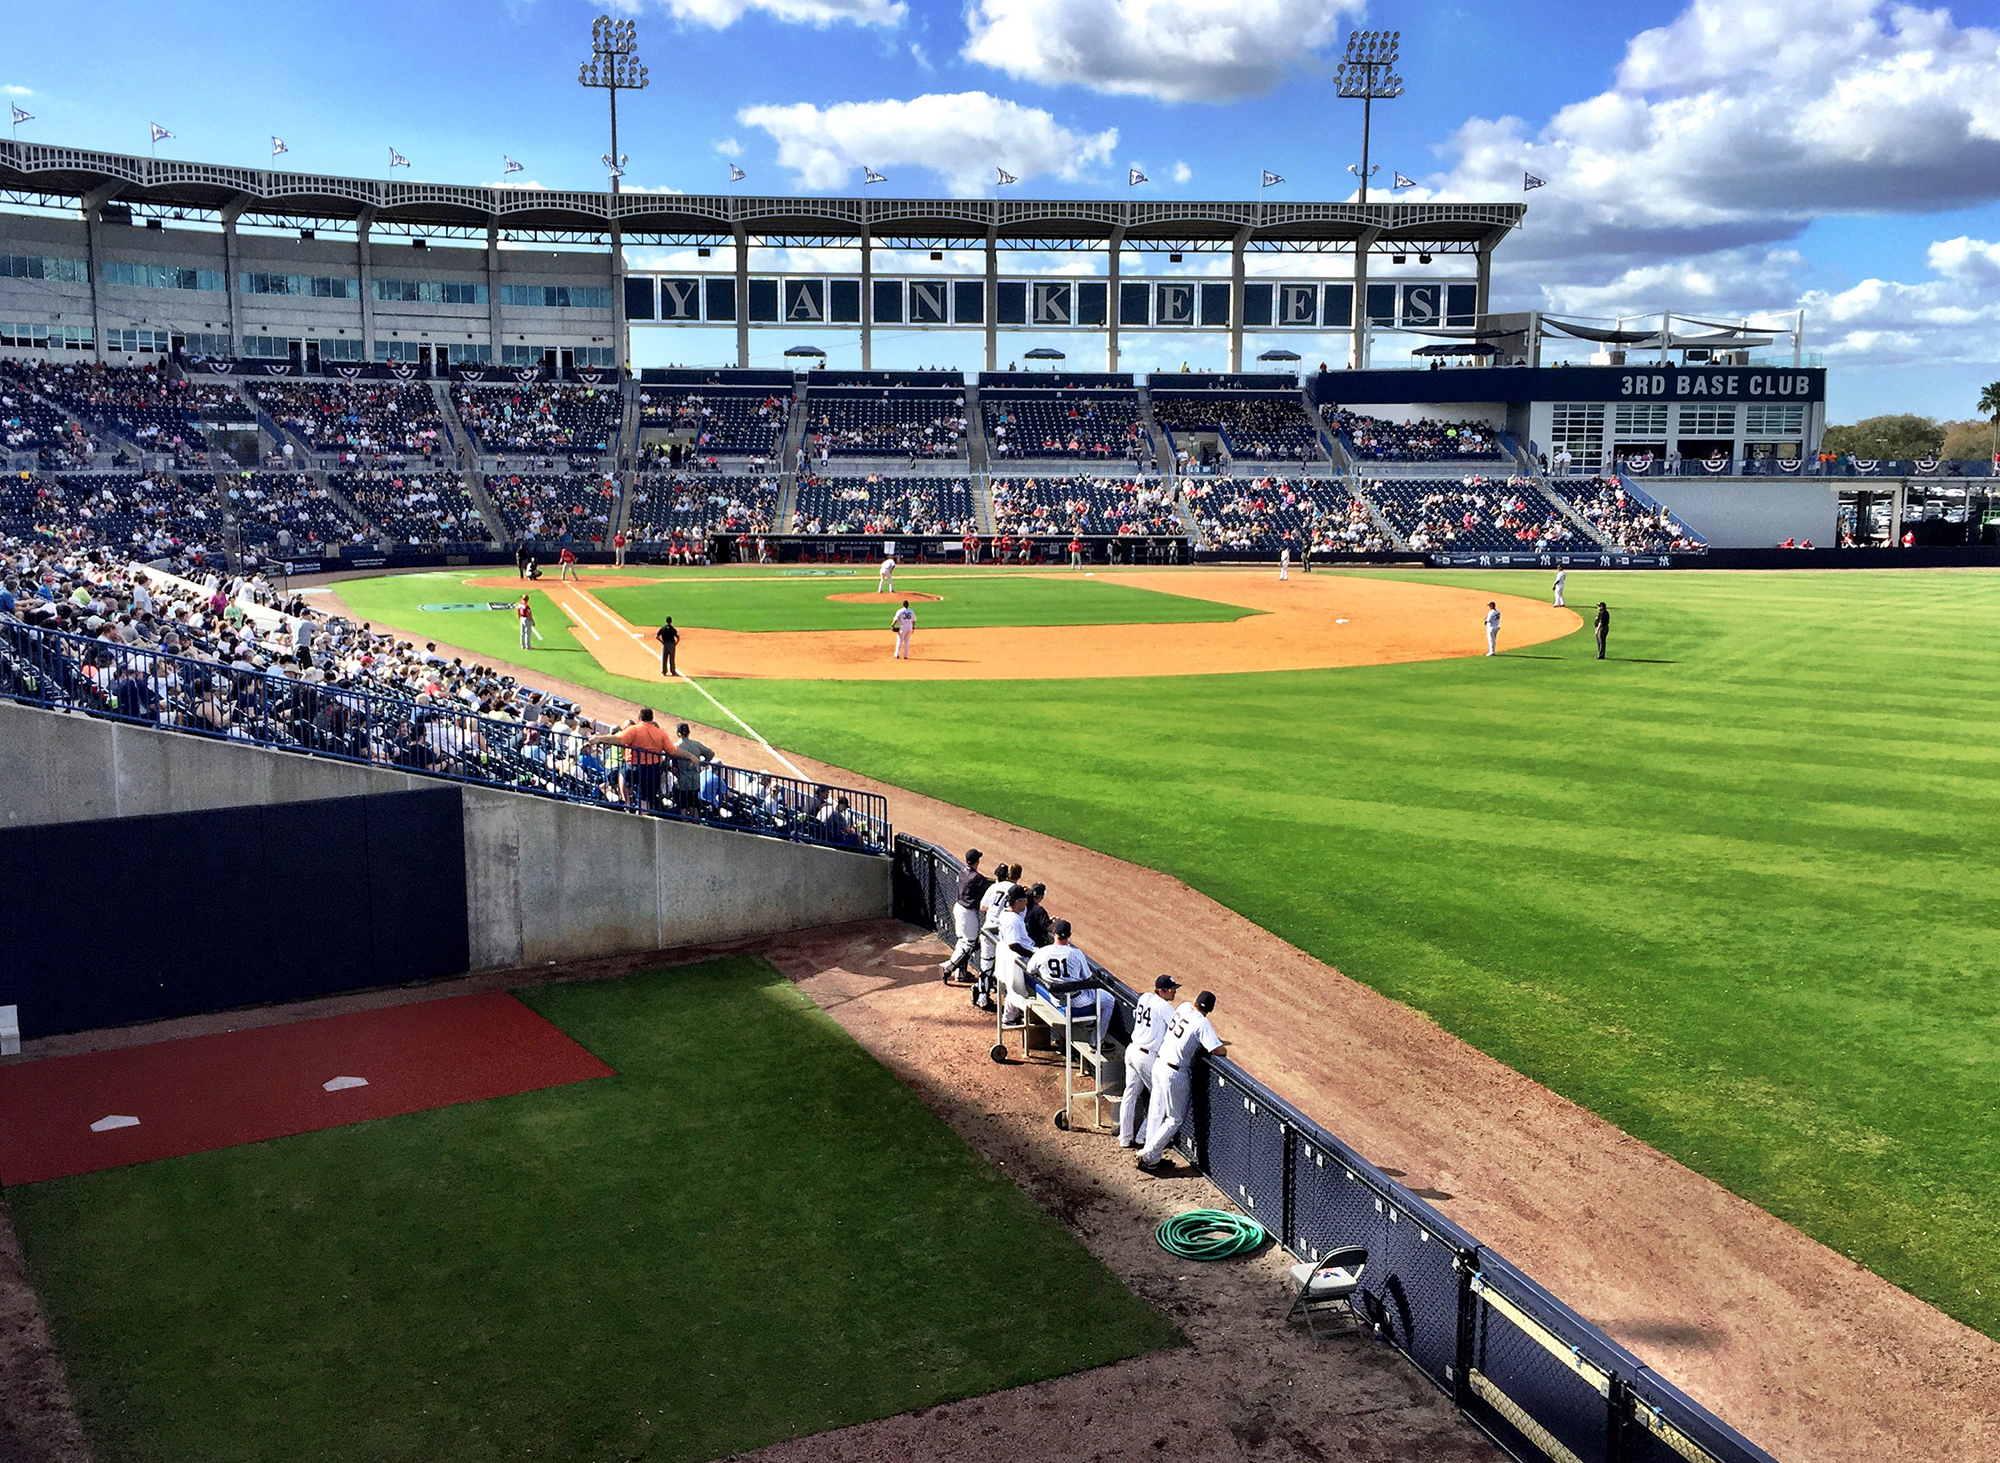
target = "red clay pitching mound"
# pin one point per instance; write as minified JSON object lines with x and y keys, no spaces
{"x":872,"y":598}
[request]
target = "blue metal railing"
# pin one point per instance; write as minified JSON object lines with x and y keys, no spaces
{"x":378,"y":728}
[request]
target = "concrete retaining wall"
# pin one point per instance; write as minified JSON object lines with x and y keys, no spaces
{"x":1751,"y":513}
{"x":545,"y":880}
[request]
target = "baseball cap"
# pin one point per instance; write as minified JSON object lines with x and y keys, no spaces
{"x":1060,"y":927}
{"x":1166,"y":983}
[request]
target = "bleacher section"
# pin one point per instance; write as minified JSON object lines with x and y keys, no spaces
{"x":30,"y":420}
{"x":541,"y":417}
{"x":266,"y":502}
{"x":415,"y":508}
{"x":901,"y":421}
{"x":551,"y":506}
{"x":726,"y":421}
{"x":1270,"y":514}
{"x":683,"y":509}
{"x":1083,"y":505}
{"x":1473,"y":513}
{"x":356,"y":419}
{"x":884,"y":504}
{"x":148,"y":514}
{"x":1091,"y":426}
{"x":1626,"y":516}
{"x":155,"y":412}
{"x":1375,"y":439}
{"x":1256,"y":425}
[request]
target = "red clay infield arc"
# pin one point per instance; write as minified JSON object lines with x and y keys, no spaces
{"x":206,"y":1092}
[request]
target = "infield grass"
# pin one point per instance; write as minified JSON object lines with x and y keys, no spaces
{"x":1737,"y":889}
{"x":751,"y":1233}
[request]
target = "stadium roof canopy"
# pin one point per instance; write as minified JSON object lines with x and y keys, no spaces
{"x":38,"y":175}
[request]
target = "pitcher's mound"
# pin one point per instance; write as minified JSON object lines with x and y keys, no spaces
{"x":873,"y":598}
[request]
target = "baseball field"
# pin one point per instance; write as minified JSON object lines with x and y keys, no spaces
{"x":1731,"y":888}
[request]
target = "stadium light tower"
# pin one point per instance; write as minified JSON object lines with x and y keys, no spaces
{"x":1368,"y":71}
{"x":614,"y":67}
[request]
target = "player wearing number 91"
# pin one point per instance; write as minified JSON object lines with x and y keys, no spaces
{"x":1173,"y":1074}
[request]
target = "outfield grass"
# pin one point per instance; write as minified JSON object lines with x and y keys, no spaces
{"x":751,"y":1233}
{"x":1734,"y":890}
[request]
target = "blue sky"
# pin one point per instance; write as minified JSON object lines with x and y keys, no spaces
{"x":1732,"y":157}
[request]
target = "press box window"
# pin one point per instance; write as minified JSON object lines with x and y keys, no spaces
{"x":1774,"y":419}
{"x":1579,"y":426}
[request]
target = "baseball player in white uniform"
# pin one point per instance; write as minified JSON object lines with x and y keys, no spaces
{"x":991,"y":905}
{"x":885,"y":582}
{"x":1150,"y":1019}
{"x":1492,"y":628}
{"x":1173,"y":1074}
{"x":1015,"y":947}
{"x":1562,"y":577}
{"x":905,"y":623}
{"x":1285,"y":563}
{"x":1062,"y":961}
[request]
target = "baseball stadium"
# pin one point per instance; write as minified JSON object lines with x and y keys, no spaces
{"x":1423,"y":906}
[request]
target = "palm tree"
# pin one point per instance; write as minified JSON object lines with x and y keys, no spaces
{"x":1989,"y":407}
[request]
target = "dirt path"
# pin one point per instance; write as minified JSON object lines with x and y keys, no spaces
{"x":1308,"y":622}
{"x":1810,"y":1355}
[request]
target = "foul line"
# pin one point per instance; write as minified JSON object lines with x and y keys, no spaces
{"x":755,"y":735}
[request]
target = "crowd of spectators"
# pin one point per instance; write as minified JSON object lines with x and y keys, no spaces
{"x":884,"y":504}
{"x":540,"y":417}
{"x":1474,"y":513}
{"x":1272,"y":514}
{"x":1093,"y":425}
{"x":1082,"y":505}
{"x":555,"y":506}
{"x":32,"y":421}
{"x":1422,"y":440}
{"x":724,"y":421}
{"x":356,"y":419}
{"x":1626,"y":521}
{"x":1259,"y":426}
{"x":888,"y":423}
{"x":287,"y":510}
{"x":675,"y":514}
{"x":150,"y":515}
{"x":416,"y":508}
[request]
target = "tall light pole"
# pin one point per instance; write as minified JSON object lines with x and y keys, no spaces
{"x":1368,"y":71}
{"x":614,"y":66}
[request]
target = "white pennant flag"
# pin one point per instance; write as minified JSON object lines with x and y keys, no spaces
{"x":1271,"y":177}
{"x":1133,"y":178}
{"x":397,"y":160}
{"x":869,"y":175}
{"x":278,"y":146}
{"x":160,"y":134}
{"x":1403,"y":182}
{"x":1005,"y":176}
{"x":736,"y":174}
{"x":512,"y":166}
{"x":21,"y":116}
{"x":1529,"y":182}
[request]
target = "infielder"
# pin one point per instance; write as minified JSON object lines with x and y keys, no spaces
{"x":1015,"y":950}
{"x":885,"y":582}
{"x":1562,"y":578}
{"x":1173,"y":1074}
{"x":965,"y":914}
{"x":1285,"y":562}
{"x":526,"y":613}
{"x":905,"y":624}
{"x":1150,"y":1019}
{"x":1492,"y":628}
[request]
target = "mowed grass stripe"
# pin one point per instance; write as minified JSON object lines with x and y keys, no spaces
{"x":751,"y":1233}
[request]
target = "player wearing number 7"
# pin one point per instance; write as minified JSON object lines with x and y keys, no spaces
{"x":1173,"y":1074}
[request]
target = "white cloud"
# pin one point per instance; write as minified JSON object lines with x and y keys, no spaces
{"x":720,"y":14}
{"x":729,"y":147}
{"x":963,"y":137}
{"x":921,"y":56}
{"x":1182,"y":172}
{"x":1173,"y":50}
{"x":17,"y":91}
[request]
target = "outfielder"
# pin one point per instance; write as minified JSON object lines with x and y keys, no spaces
{"x":1562,"y":578}
{"x":1492,"y":628}
{"x":885,"y":582}
{"x":1285,"y":563}
{"x":1173,"y":1074}
{"x":526,"y":614}
{"x":1150,"y":1019}
{"x":905,"y":623}
{"x":965,"y":914}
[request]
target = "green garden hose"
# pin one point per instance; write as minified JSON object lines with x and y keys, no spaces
{"x":1209,"y":1234}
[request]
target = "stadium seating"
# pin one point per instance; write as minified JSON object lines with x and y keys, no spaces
{"x":884,"y":504}
{"x":31,"y":420}
{"x":889,"y":422}
{"x":727,"y":421}
{"x":1092,"y":426}
{"x":1257,"y":426}
{"x":1374,"y":439}
{"x":416,"y":508}
{"x":1627,"y":518}
{"x":1082,"y":505}
{"x":1269,"y":514}
{"x":266,"y":502}
{"x":552,"y":506}
{"x":356,"y":419}
{"x":541,"y":417}
{"x":670,"y":509}
{"x":155,"y":412}
{"x":1473,"y":513}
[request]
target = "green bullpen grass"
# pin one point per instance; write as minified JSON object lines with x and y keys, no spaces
{"x":751,"y":1233}
{"x":1736,"y":894}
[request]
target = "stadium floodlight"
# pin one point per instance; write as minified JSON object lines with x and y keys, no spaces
{"x":614,"y":67}
{"x":1368,"y":71}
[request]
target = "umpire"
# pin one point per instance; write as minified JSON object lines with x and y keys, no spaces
{"x":1602,"y":625}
